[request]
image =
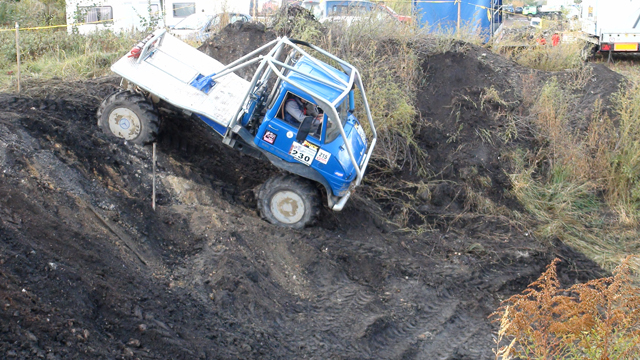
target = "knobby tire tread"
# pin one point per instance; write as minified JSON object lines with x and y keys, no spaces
{"x":147,"y":114}
{"x":296,"y":183}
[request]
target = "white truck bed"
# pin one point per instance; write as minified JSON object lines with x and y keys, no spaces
{"x":168,"y":72}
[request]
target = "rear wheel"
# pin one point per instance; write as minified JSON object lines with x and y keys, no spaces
{"x":289,"y":201}
{"x":129,"y":115}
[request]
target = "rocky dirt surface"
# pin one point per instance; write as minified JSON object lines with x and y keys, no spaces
{"x":89,"y":270}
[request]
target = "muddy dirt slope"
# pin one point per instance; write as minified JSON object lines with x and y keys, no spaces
{"x":89,"y":271}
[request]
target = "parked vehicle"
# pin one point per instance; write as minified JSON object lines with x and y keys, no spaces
{"x":611,"y":25}
{"x":250,"y":115}
{"x":199,"y":26}
{"x":85,"y":16}
{"x":401,"y":18}
{"x":536,"y":22}
{"x":177,"y":10}
{"x":544,"y":11}
{"x":507,"y":11}
{"x":519,"y":10}
{"x":346,"y":11}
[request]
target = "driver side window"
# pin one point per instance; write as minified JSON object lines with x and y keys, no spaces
{"x":293,"y":110}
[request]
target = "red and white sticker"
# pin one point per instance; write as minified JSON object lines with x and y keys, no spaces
{"x":302,"y":153}
{"x":269,"y":137}
{"x":323,"y":156}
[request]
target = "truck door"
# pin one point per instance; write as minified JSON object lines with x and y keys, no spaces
{"x":278,"y":136}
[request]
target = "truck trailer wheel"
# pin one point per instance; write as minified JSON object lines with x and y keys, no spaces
{"x":289,"y":201}
{"x":130,"y":116}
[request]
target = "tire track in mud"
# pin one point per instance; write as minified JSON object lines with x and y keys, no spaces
{"x":405,"y":321}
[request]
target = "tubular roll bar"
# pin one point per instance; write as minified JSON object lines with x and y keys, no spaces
{"x":269,"y":63}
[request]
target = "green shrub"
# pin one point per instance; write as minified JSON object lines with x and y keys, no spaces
{"x":47,"y":53}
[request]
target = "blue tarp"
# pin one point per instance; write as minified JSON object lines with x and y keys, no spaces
{"x":443,"y":15}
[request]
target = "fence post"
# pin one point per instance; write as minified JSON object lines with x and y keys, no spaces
{"x":153,"y":196}
{"x":18,"y":53}
{"x":458,"y":27}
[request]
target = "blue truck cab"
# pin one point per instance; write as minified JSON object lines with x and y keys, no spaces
{"x":323,"y":150}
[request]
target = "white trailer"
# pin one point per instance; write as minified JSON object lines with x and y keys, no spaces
{"x":176,"y":10}
{"x":87,"y":16}
{"x":612,"y":25}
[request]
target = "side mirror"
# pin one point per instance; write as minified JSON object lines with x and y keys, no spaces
{"x":304,"y":129}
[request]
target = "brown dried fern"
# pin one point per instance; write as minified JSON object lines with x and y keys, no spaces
{"x":599,"y":319}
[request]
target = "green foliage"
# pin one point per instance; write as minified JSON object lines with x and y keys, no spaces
{"x":383,"y":52}
{"x":624,"y":173}
{"x":150,"y":20}
{"x":32,"y":13}
{"x":56,"y":53}
{"x":300,"y":26}
{"x":582,"y":187}
{"x":529,"y":53}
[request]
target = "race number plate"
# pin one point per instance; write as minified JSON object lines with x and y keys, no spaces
{"x":302,"y":153}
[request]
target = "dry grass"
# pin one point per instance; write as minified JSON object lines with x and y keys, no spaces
{"x":582,"y":187}
{"x":595,"y":320}
{"x":524,"y":48}
{"x":47,"y":54}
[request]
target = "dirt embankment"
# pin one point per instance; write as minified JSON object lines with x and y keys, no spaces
{"x":474,"y":107}
{"x":89,"y":270}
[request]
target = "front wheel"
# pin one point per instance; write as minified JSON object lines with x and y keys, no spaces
{"x":289,"y":201}
{"x":129,"y":115}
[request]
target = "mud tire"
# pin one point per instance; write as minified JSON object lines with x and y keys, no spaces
{"x":143,"y":115}
{"x":292,"y":189}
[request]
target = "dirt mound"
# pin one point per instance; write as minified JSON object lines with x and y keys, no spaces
{"x":235,"y":41}
{"x":472,"y":106}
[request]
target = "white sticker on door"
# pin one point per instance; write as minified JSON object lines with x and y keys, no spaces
{"x":302,"y":153}
{"x":323,"y":156}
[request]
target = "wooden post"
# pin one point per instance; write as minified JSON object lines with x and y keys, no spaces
{"x":458,"y":1}
{"x":18,"y":53}
{"x":153,"y":196}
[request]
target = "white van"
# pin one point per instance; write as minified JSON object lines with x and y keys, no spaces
{"x":87,"y":16}
{"x":347,"y":11}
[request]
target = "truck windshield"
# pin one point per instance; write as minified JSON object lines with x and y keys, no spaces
{"x":332,"y":130}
